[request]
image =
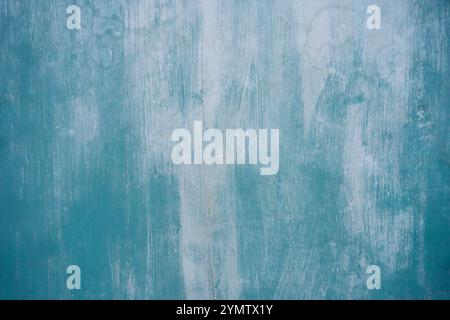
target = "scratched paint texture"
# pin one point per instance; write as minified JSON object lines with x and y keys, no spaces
{"x":85,"y":170}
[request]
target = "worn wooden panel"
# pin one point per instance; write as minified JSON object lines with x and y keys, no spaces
{"x":86,"y":176}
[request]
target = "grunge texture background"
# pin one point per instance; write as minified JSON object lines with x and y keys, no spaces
{"x":85,"y":171}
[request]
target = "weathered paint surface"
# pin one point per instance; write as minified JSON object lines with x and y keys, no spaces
{"x":86,"y":176}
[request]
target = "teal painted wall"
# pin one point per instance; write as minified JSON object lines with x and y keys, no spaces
{"x":86,"y":176}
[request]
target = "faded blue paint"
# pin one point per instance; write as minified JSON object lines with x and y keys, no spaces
{"x":85,"y":171}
